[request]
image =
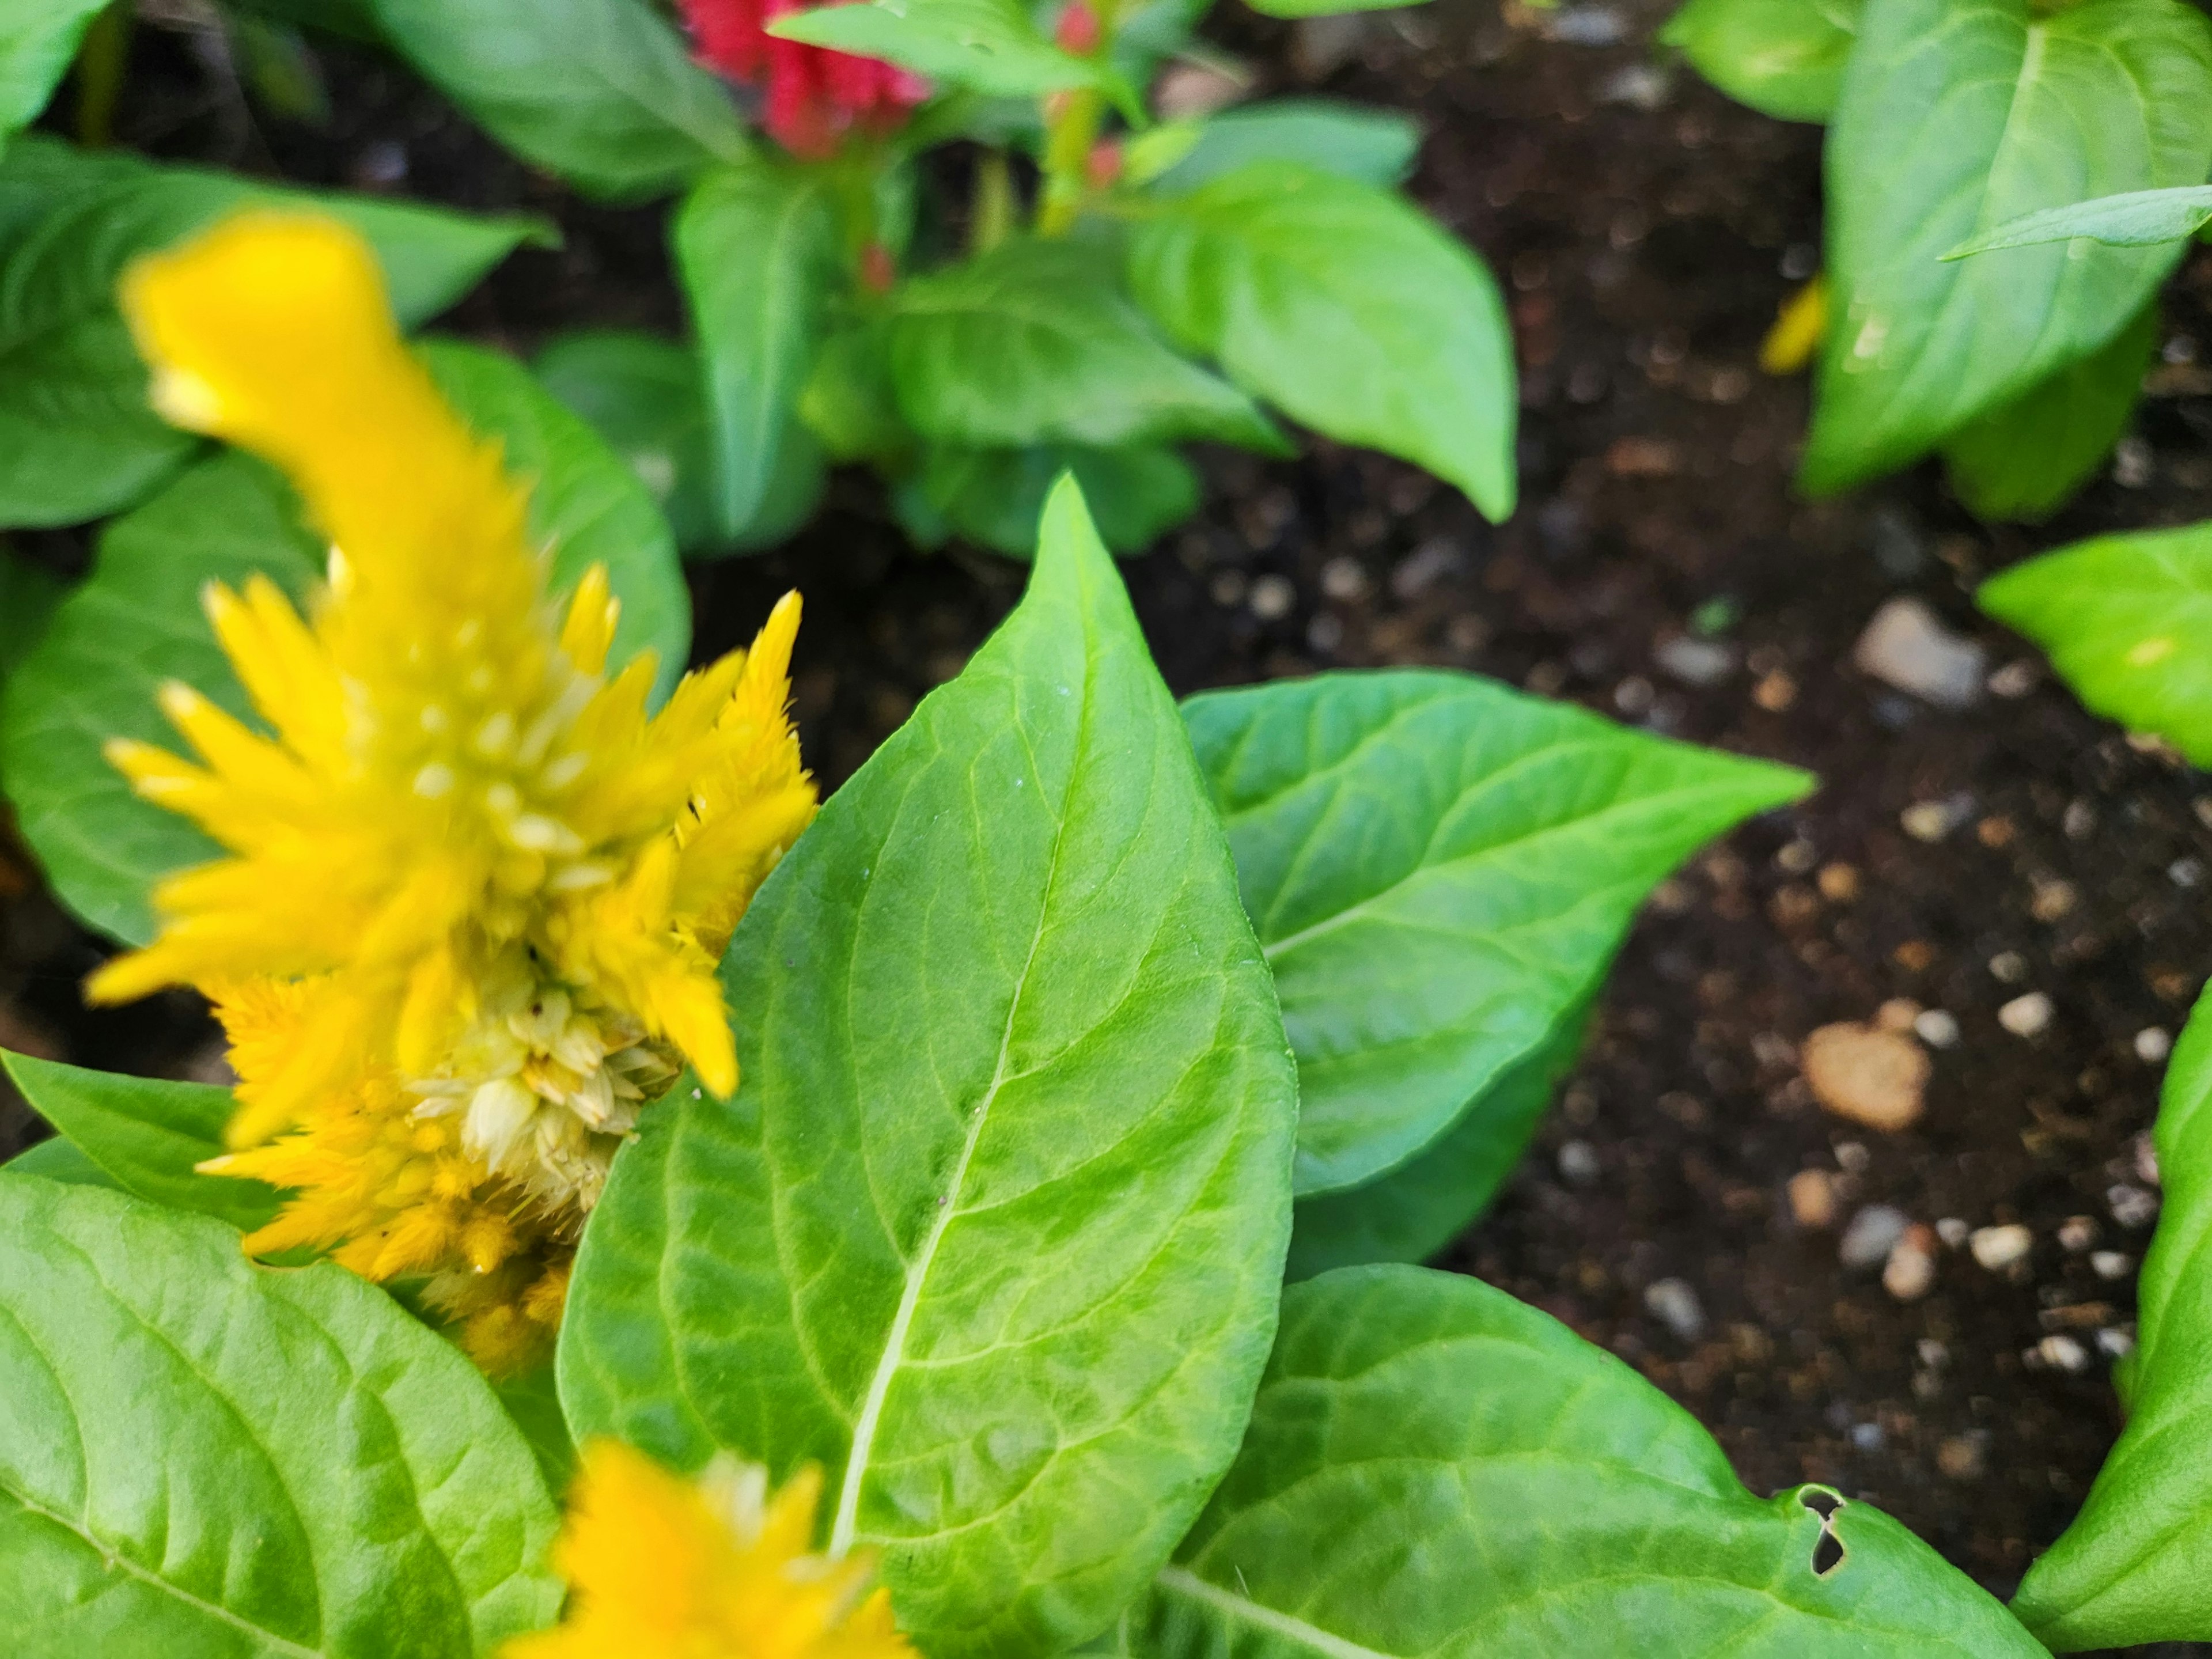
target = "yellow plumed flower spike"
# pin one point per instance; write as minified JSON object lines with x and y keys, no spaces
{"x":474,"y":888}
{"x":664,"y":1568}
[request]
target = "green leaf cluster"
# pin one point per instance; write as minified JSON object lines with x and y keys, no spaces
{"x":2007,"y":186}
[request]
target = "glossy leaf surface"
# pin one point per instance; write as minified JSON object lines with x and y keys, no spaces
{"x":987,"y":47}
{"x":38,"y":40}
{"x":602,"y":92}
{"x":202,"y":1457}
{"x":993,"y":1229}
{"x":146,"y":1132}
{"x":996,"y":497}
{"x":1439,"y":869}
{"x":1436,"y":1471}
{"x":2140,"y":218}
{"x":2130,"y":1568}
{"x":1784,"y":57}
{"x":1372,"y":145}
{"x":1958,"y":116}
{"x":137,"y":620}
{"x":2124,"y":619}
{"x":1344,"y":308}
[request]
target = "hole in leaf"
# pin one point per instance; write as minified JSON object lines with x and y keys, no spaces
{"x":1822,"y":1502}
{"x":1827,"y":1553}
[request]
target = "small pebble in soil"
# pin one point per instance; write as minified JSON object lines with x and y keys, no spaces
{"x":1897,"y":1014}
{"x":2115,"y":1342}
{"x":1852,"y":1156}
{"x":1907,"y":645}
{"x":2185,"y":872}
{"x":1867,"y":1437}
{"x":2008,"y":967}
{"x":1953,"y":1230}
{"x":1962,"y":1457}
{"x":1874,"y":1232}
{"x":1775,"y":692}
{"x":1812,"y":1199}
{"x":1910,"y":1271}
{"x":2015,"y":679}
{"x":1933,"y":1354}
{"x":1272,"y":597}
{"x":2111,"y":1264}
{"x":2025,"y":1017}
{"x":1344,"y":579}
{"x":2146,"y":1150}
{"x":1937,"y":1028}
{"x":2054,"y":901}
{"x":1578,"y":1163}
{"x":1676,"y":1306}
{"x":1997,"y":1248}
{"x":2059,"y":1351}
{"x":1839,"y":883}
{"x":2077,"y":1233}
{"x":1797,"y":856}
{"x":1425,"y":565}
{"x":2132,"y":1207}
{"x":1694,"y":661}
{"x":1871,"y":1076}
{"x":1932,"y":820}
{"x":2153,"y":1044}
{"x":2080,"y":820}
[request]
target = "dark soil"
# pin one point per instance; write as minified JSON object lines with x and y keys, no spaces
{"x":1645,"y":229}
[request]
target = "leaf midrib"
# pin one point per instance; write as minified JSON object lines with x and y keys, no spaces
{"x":870,"y":1419}
{"x":1184,"y":1581}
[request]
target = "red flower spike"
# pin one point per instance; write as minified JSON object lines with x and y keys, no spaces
{"x":1076,"y":31}
{"x":1103,"y":165}
{"x":878,"y":273}
{"x":816,"y":97}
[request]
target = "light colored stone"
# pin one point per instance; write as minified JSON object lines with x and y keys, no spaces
{"x":2111,"y":1264}
{"x":1578,"y":1162}
{"x":2027,"y":1016}
{"x":1694,"y":661}
{"x":1676,"y":1306}
{"x":1963,"y":1456}
{"x":1936,"y":1027}
{"x":2077,"y":1233}
{"x":1874,"y":1232}
{"x":1898,"y":1014}
{"x":1871,"y":1076}
{"x":2132,"y":1207}
{"x":2153,"y":1044}
{"x":1812,"y":1199}
{"x":1907,"y":645}
{"x":1998,"y":1247}
{"x":2061,"y":1352}
{"x":1953,"y":1231}
{"x":1911,"y":1269}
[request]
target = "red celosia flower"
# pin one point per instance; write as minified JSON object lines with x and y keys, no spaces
{"x":815,"y":97}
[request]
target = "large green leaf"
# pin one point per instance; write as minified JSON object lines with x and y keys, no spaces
{"x":993,"y":1228}
{"x":2131,"y":1567}
{"x":756,"y":247}
{"x":137,"y":622}
{"x":2125,"y":619}
{"x":2025,"y":459}
{"x":1439,"y":869}
{"x":1347,"y":309}
{"x":996,"y":497}
{"x":1434,"y":1471}
{"x":646,"y":395}
{"x":1033,"y":343}
{"x":29,"y":595}
{"x":1420,"y":1206}
{"x":1956,"y":117}
{"x":1373,"y":146}
{"x":1784,"y":57}
{"x":988,"y":47}
{"x":77,"y":439}
{"x":38,"y":40}
{"x":39,"y":173}
{"x":146,"y":1132}
{"x":2140,"y":218}
{"x":202,"y":1457}
{"x":59,"y":1159}
{"x":602,"y":92}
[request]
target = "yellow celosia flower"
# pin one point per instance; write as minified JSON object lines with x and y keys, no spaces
{"x":663,"y":1568}
{"x":475,"y":895}
{"x":1799,"y":327}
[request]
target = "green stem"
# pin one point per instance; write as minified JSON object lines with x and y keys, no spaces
{"x":100,"y":66}
{"x":993,"y":217}
{"x":1070,"y":135}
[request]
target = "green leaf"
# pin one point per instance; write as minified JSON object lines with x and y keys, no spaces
{"x":39,"y":40}
{"x":987,"y":47}
{"x":201,"y":1457}
{"x":59,"y":1159}
{"x":2137,"y":218}
{"x":1435,"y":1470}
{"x":756,"y":248}
{"x":39,"y":173}
{"x":1370,"y":146}
{"x":1417,"y":1208}
{"x":645,"y":397}
{"x":995,"y":497}
{"x":29,"y":595}
{"x":354,"y":19}
{"x":1784,"y":57}
{"x":848,"y":402}
{"x":2130,"y":1568}
{"x":1320,"y":8}
{"x":2124,"y":619}
{"x":2023,"y":461}
{"x":77,"y":439}
{"x":1958,"y":116}
{"x":533,"y":1399}
{"x":1345,"y":308}
{"x":1033,"y":343}
{"x":137,"y":620}
{"x":1439,"y":869}
{"x":149,"y":1135}
{"x":993,"y":1228}
{"x":602,"y":92}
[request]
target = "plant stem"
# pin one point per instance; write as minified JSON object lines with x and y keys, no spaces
{"x":100,"y":66}
{"x":994,"y":216}
{"x":1071,"y":132}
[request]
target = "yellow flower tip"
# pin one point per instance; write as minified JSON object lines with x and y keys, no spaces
{"x":228,"y":320}
{"x":590,"y":630}
{"x":126,"y":978}
{"x":179,"y":702}
{"x":665,"y":1568}
{"x":1799,"y":328}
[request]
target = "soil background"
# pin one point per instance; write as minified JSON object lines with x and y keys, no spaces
{"x":1644,"y":230}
